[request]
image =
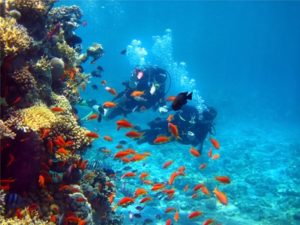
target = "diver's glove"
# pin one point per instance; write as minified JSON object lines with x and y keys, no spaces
{"x":163,"y":109}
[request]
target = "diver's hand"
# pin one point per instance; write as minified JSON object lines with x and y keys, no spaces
{"x":163,"y":109}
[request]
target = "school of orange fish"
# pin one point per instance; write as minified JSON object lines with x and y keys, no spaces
{"x":142,"y":194}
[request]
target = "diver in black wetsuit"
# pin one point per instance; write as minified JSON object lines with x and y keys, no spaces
{"x":152,"y":81}
{"x":193,"y":126}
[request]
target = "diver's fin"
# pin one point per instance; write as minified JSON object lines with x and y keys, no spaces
{"x":189,"y":96}
{"x":99,"y":118}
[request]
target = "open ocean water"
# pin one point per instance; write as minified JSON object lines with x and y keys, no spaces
{"x":243,"y":59}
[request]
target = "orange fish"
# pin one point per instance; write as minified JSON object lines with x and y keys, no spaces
{"x":129,"y":174}
{"x":181,"y":169}
{"x":134,"y":134}
{"x":92,"y":135}
{"x":138,"y":157}
{"x":148,"y":182}
{"x":107,"y":138}
{"x":170,"y":209}
{"x":168,"y":222}
{"x":170,"y":118}
{"x":57,"y":109}
{"x":10,"y":160}
{"x":173,"y":176}
{"x":161,"y":140}
{"x":123,"y":123}
{"x":215,"y":143}
{"x":170,"y":98}
{"x":186,"y":188}
{"x":80,"y":199}
{"x":176,"y":216}
{"x":146,"y":199}
{"x":124,"y":153}
{"x":104,"y":82}
{"x":17,"y":100}
{"x":167,"y":164}
{"x":209,"y":153}
{"x":125,"y":160}
{"x":137,"y":93}
{"x":205,"y":190}
{"x":194,"y":214}
{"x":111,"y":197}
{"x":157,"y":186}
{"x":106,"y":151}
{"x":221,"y":196}
{"x":223,"y":179}
{"x":42,"y":181}
{"x":194,"y":196}
{"x":202,"y":166}
{"x":140,"y":191}
{"x":126,"y":201}
{"x":45,"y":133}
{"x":208,"y":222}
{"x":119,"y":146}
{"x":143,"y":175}
{"x":109,"y":105}
{"x":194,"y":152}
{"x":198,"y":186}
{"x":215,"y":156}
{"x":174,"y":130}
{"x":62,"y":151}
{"x":111,"y":90}
{"x":93,"y":116}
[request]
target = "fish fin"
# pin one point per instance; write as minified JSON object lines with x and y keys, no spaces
{"x":189,"y":96}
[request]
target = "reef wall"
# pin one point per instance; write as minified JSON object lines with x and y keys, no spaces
{"x":44,"y":179}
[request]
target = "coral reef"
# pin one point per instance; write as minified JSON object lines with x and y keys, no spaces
{"x":30,"y":7}
{"x":42,"y":143}
{"x":37,"y":117}
{"x":24,"y":79}
{"x":13,"y":37}
{"x":5,"y":131}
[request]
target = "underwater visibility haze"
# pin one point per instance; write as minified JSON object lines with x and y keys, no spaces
{"x":150,"y":112}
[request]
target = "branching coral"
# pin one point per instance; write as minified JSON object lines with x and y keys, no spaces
{"x":26,"y":7}
{"x":5,"y":131}
{"x":43,"y":66}
{"x":67,"y":127}
{"x":24,"y":79}
{"x":37,"y":117}
{"x":13,"y":37}
{"x":63,"y":50}
{"x":27,"y":218}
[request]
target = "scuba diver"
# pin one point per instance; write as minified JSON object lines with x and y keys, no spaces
{"x":192,"y":125}
{"x":144,"y":90}
{"x":96,"y":109}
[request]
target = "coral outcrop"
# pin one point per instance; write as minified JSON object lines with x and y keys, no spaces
{"x":42,"y":142}
{"x":13,"y":37}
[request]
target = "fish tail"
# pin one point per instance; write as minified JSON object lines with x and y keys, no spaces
{"x":189,"y":96}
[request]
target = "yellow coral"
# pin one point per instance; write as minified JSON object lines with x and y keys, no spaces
{"x":67,"y":53}
{"x":30,"y":6}
{"x":13,"y":37}
{"x":28,"y":218}
{"x":37,"y":117}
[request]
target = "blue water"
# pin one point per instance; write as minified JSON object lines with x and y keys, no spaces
{"x":245,"y":59}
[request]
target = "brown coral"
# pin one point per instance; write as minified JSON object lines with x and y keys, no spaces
{"x":6,"y":131}
{"x":67,"y":127}
{"x":24,"y":79}
{"x":13,"y":37}
{"x":30,"y":7}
